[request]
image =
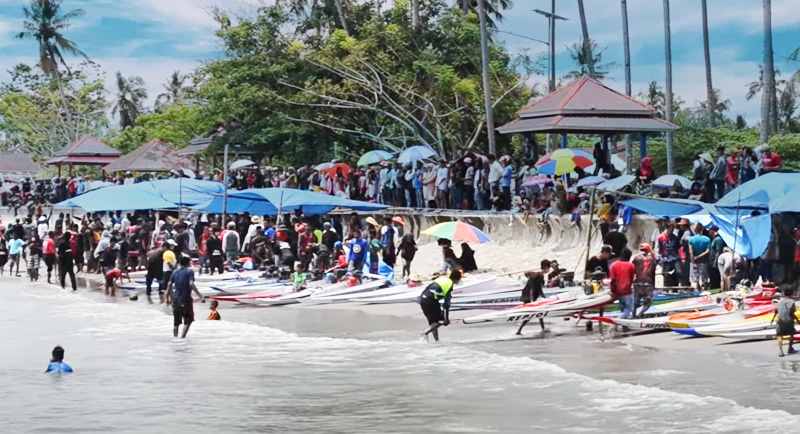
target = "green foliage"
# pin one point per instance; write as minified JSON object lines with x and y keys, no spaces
{"x":40,"y":113}
{"x":175,"y":124}
{"x":298,"y":97}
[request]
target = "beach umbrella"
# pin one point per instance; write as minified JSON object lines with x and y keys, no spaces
{"x":374,"y":157}
{"x":457,"y":231}
{"x":564,"y":161}
{"x":415,"y":153}
{"x":616,"y":161}
{"x":241,"y":164}
{"x":330,"y":169}
{"x":618,"y":183}
{"x":590,"y":181}
{"x":668,"y":181}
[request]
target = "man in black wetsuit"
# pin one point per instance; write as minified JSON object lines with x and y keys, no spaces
{"x":438,"y":314}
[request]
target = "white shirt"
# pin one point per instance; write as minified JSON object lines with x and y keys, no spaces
{"x":441,"y":179}
{"x":41,"y":230}
{"x":495,"y":172}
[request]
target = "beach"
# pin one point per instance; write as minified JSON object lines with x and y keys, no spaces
{"x":354,"y":368}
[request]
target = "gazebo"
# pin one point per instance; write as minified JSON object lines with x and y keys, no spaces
{"x":86,"y":151}
{"x":587,"y":106}
{"x":199,"y":146}
{"x":154,"y":156}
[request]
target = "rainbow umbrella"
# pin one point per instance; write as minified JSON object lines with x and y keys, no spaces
{"x":457,"y":231}
{"x":564,"y":161}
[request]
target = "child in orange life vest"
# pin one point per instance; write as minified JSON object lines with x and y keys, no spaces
{"x":213,"y":314}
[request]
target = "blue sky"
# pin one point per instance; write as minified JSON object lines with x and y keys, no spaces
{"x":152,"y":38}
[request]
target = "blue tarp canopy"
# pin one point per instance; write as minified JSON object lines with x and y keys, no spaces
{"x":776,"y":192}
{"x":160,"y":194}
{"x":267,"y":201}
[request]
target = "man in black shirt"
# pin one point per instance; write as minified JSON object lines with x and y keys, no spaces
{"x":534,"y":289}
{"x":599,"y":261}
{"x":66,"y":261}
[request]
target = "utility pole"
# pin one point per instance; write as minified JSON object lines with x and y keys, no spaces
{"x":551,"y":65}
{"x":487,"y":89}
{"x":668,"y":62}
{"x":225,"y":183}
{"x":627,"y":49}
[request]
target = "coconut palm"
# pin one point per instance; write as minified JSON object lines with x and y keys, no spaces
{"x":45,"y":23}
{"x":586,"y":42}
{"x":587,"y":62}
{"x":175,"y":91}
{"x":494,"y":9}
{"x":131,"y":95}
{"x":715,"y":108}
{"x":710,"y":102}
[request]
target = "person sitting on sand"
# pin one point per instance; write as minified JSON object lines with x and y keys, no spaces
{"x":467,"y":259}
{"x":785,"y":314}
{"x":299,"y":277}
{"x":57,"y":364}
{"x":213,"y":313}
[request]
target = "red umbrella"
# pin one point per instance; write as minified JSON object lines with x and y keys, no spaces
{"x":330,"y":169}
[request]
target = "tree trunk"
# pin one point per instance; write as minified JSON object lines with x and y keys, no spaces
{"x":711,"y":102}
{"x":487,"y":88}
{"x":668,"y":96}
{"x":768,"y":95}
{"x":627,"y":51}
{"x":586,"y":43}
{"x":340,"y":13}
{"x":415,"y":14}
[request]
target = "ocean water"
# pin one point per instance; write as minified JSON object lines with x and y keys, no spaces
{"x":241,"y":375}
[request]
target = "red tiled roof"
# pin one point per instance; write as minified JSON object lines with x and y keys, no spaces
{"x":84,"y":160}
{"x":155,"y":156}
{"x":17,"y":162}
{"x":585,"y":96}
{"x":587,"y":124}
{"x":88,"y":146}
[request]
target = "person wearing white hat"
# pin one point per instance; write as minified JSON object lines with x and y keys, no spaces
{"x":42,"y":227}
{"x":169,"y":263}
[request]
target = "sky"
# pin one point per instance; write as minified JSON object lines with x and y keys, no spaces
{"x":153,"y":38}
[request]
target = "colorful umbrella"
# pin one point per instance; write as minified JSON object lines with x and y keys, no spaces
{"x":532,"y":181}
{"x":457,"y":231}
{"x":415,"y":153}
{"x":330,"y":169}
{"x":564,"y":161}
{"x":374,"y":157}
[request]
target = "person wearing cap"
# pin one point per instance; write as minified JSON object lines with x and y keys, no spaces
{"x":329,"y":235}
{"x":645,"y":278}
{"x":169,"y":263}
{"x":42,"y":227}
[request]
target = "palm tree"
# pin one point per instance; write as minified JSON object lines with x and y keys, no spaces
{"x":130,"y":99}
{"x":710,"y":102}
{"x":769,"y":112}
{"x":494,"y":9}
{"x":587,"y":44}
{"x":654,"y":97}
{"x":175,"y":91}
{"x":45,"y":24}
{"x":415,"y":14}
{"x":715,"y":108}
{"x":588,"y":62}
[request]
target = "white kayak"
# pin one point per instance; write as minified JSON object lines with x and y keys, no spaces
{"x":297,"y":297}
{"x":537,"y":309}
{"x":328,"y":296}
{"x":465,"y":286}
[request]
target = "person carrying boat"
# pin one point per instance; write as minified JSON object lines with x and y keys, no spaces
{"x":785,"y":314}
{"x":441,"y":290}
{"x":533,"y":290}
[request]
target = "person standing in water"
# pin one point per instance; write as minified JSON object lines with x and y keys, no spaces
{"x":534,"y":290}
{"x":57,"y":364}
{"x":441,"y":290}
{"x":179,"y":293}
{"x":66,"y":261}
{"x":785,"y":314}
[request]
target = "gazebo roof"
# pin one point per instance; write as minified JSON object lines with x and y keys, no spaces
{"x":586,"y":106}
{"x":18,"y":162}
{"x":196,"y":146}
{"x":154,"y":156}
{"x":85,"y":150}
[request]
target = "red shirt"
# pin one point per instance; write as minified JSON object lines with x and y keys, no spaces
{"x":621,"y":274}
{"x":115,"y":273}
{"x":773,"y":161}
{"x":49,"y":247}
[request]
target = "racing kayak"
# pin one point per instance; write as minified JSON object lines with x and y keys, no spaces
{"x":755,"y":323}
{"x":465,"y":286}
{"x":327,"y":296}
{"x":554,"y":307}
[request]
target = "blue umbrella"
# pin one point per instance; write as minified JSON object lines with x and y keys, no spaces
{"x":268,"y":201}
{"x":590,"y":180}
{"x":415,"y":153}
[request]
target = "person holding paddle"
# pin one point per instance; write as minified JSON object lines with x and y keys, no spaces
{"x":436,"y":314}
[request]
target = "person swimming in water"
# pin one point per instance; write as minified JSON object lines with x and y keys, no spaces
{"x":57,"y":364}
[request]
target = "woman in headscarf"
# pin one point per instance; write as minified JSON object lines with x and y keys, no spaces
{"x":467,"y":259}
